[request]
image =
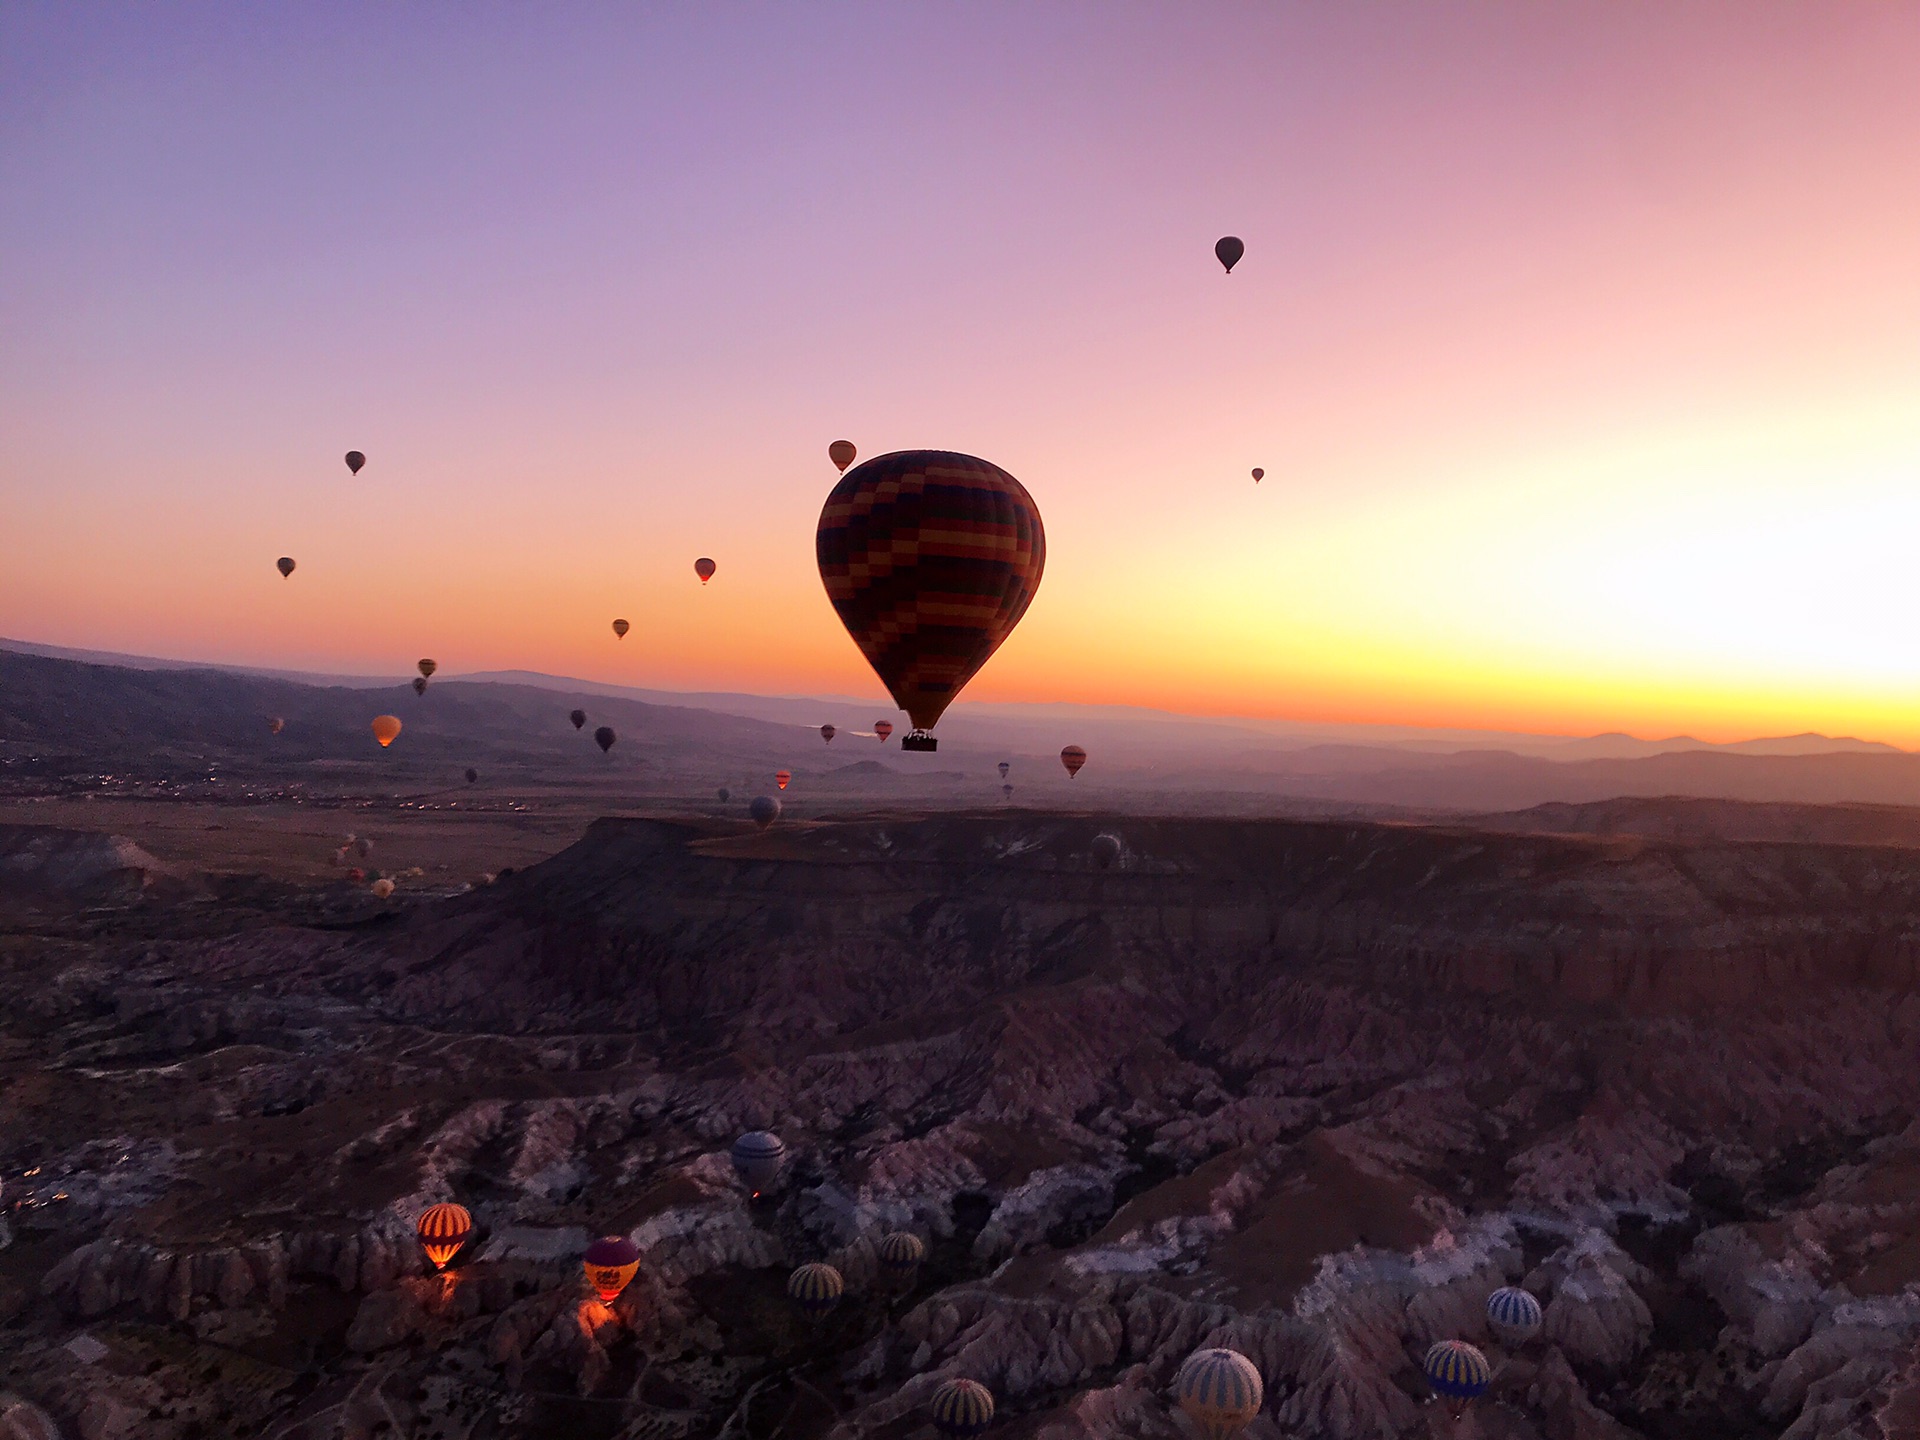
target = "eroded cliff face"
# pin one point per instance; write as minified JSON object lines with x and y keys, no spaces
{"x":1312,"y":1091}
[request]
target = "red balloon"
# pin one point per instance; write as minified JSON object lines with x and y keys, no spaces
{"x":704,"y":568}
{"x":1073,"y":757}
{"x":782,"y":777}
{"x":883,"y":728}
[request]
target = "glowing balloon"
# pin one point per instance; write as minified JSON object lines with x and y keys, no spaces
{"x":1073,"y":757}
{"x":284,"y":565}
{"x":757,"y":1157}
{"x":382,"y":888}
{"x":1514,"y":1314}
{"x":930,"y":559}
{"x":1004,"y":768}
{"x":841,"y":452}
{"x":1457,"y":1370}
{"x":902,"y":1251}
{"x":385,"y":728}
{"x":355,"y":460}
{"x":611,"y":1262}
{"x":781,"y":777}
{"x":427,"y":667}
{"x":816,"y":1289}
{"x":704,"y":568}
{"x":579,"y":718}
{"x":604,"y":738}
{"x":1220,"y":1390}
{"x":620,"y":628}
{"x":763,"y":810}
{"x":1228,"y":249}
{"x":276,"y":725}
{"x":443,"y":1229}
{"x":827,"y":732}
{"x":961,"y":1409}
{"x":1106,"y":850}
{"x":1258,"y":474}
{"x":419,"y":684}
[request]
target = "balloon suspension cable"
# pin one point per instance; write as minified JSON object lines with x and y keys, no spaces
{"x":919,"y":740}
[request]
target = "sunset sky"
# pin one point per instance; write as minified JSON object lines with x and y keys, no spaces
{"x":1580,"y":343}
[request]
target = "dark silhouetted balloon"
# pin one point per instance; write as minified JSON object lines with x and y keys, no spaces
{"x":930,"y":558}
{"x":579,"y":718}
{"x":443,"y":1229}
{"x":284,"y":565}
{"x":883,"y":728}
{"x":363,"y":846}
{"x":1073,"y":757}
{"x":1258,"y":474}
{"x":725,"y":795}
{"x":763,"y":810}
{"x":1106,"y":850}
{"x":276,"y":724}
{"x":841,"y":452}
{"x":472,"y":775}
{"x":1004,"y":768}
{"x":961,"y":1409}
{"x":419,"y":684}
{"x":355,"y":460}
{"x":827,"y":732}
{"x":1006,"y":792}
{"x":816,"y":1289}
{"x":781,"y":777}
{"x":385,"y":728}
{"x":704,"y":568}
{"x":1229,"y":249}
{"x":604,"y":738}
{"x":427,"y":667}
{"x":610,"y":1263}
{"x":620,"y":628}
{"x":901,"y":1252}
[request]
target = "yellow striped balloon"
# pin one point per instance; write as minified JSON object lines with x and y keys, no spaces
{"x":816,"y":1289}
{"x":962,"y":1408}
{"x":1456,"y":1370}
{"x":1220,"y":1390}
{"x":902,"y":1251}
{"x":611,"y":1262}
{"x":443,"y":1230}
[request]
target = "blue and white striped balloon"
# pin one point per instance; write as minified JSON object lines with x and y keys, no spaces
{"x":1513,"y":1313}
{"x":1220,"y":1389}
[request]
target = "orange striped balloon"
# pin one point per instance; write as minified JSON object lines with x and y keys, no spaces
{"x":781,"y":777}
{"x":443,"y":1230}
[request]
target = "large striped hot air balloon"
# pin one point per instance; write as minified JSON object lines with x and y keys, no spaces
{"x":1457,"y":1371}
{"x":1073,"y":757}
{"x":816,"y":1289}
{"x":757,"y":1156}
{"x":901,"y":1252}
{"x":1514,"y":1314}
{"x":1220,"y":1390}
{"x":961,"y":1409}
{"x":610,"y":1263}
{"x":782,"y":777}
{"x":930,"y":558}
{"x":385,"y":729}
{"x":443,"y":1229}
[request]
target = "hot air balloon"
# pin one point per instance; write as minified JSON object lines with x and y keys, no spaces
{"x":841,"y":452}
{"x":362,"y":845}
{"x":725,"y":794}
{"x":620,"y":628}
{"x":781,"y":777}
{"x":1073,"y":757}
{"x":930,"y":558}
{"x":604,"y":738}
{"x":579,"y":718}
{"x":284,"y":565}
{"x":757,"y":1156}
{"x":901,"y":1252}
{"x":827,"y":732}
{"x":1004,"y":768}
{"x":356,"y":874}
{"x":704,"y":568}
{"x":427,"y":667}
{"x":443,"y":1230}
{"x":611,"y":1262}
{"x":419,"y":684}
{"x":276,"y":724}
{"x":1228,"y":249}
{"x":1514,"y":1314}
{"x":763,"y":810}
{"x":1458,"y":1373}
{"x":1220,"y":1390}
{"x":1006,"y":792}
{"x":472,"y":775}
{"x":1258,"y":474}
{"x":1106,"y":850}
{"x":961,"y":1409}
{"x":355,"y":460}
{"x":382,"y":888}
{"x":883,"y":728}
{"x":816,"y":1289}
{"x":385,"y":727}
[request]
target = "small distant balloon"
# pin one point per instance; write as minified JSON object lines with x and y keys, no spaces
{"x":427,"y":667}
{"x":1228,"y":249}
{"x":763,"y":810}
{"x":816,"y":1289}
{"x":1220,"y":1390}
{"x":579,"y":718}
{"x":1106,"y":850}
{"x":382,"y":889}
{"x":604,"y":738}
{"x":443,"y":1230}
{"x":842,"y":453}
{"x":610,"y":1263}
{"x":1073,"y":757}
{"x":385,"y":728}
{"x":757,"y":1157}
{"x":1004,"y":768}
{"x":620,"y":628}
{"x":355,"y":460}
{"x":725,"y":794}
{"x":1006,"y":792}
{"x":901,"y":1252}
{"x":419,"y":684}
{"x":704,"y":568}
{"x":781,"y":777}
{"x":356,"y":874}
{"x":827,"y":732}
{"x":472,"y":775}
{"x":883,"y":728}
{"x":276,"y":724}
{"x":363,"y":845}
{"x":1258,"y":474}
{"x":284,"y":565}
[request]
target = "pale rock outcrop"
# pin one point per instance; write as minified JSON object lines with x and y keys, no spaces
{"x":1777,"y":1304}
{"x":1595,"y":1316}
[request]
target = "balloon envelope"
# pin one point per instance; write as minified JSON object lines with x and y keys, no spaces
{"x":961,"y":1408}
{"x":763,"y":810}
{"x":382,"y":888}
{"x":620,"y":628}
{"x":1006,"y":792}
{"x":1073,"y":757}
{"x":427,"y":667}
{"x":1228,"y":249}
{"x":284,"y":565}
{"x":816,"y":1289}
{"x":1106,"y":850}
{"x":610,"y":1263}
{"x":276,"y":724}
{"x":883,"y":728}
{"x":902,"y":1251}
{"x":1220,"y":1389}
{"x":827,"y":732}
{"x":781,"y":777}
{"x":1004,"y":768}
{"x":419,"y":684}
{"x":578,"y":717}
{"x":355,"y":460}
{"x":1457,"y":1370}
{"x":725,"y":794}
{"x":841,"y":452}
{"x":472,"y":775}
{"x":930,"y":558}
{"x":604,"y":738}
{"x":1258,"y":474}
{"x":1513,"y":1313}
{"x":443,"y":1229}
{"x":704,"y":568}
{"x":757,"y":1156}
{"x":385,"y":728}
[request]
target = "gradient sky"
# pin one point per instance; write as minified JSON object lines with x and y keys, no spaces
{"x":1580,"y":343}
